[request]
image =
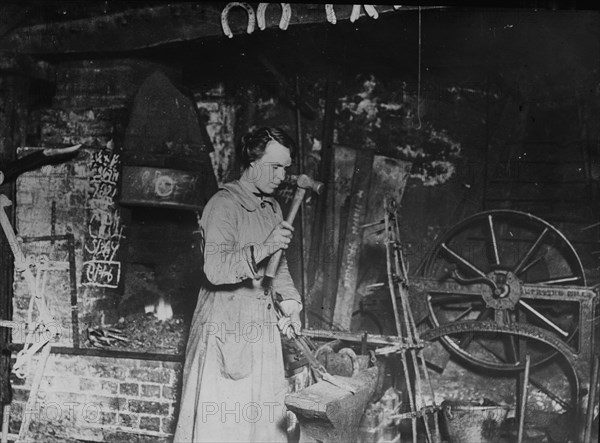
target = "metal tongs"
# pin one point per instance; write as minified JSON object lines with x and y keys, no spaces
{"x":318,"y":369}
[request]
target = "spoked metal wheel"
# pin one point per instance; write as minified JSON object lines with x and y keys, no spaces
{"x":495,"y":254}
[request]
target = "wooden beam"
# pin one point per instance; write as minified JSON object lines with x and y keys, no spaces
{"x":110,"y":353}
{"x":153,"y":26}
{"x":323,"y":270}
{"x":345,"y":291}
{"x":24,"y":65}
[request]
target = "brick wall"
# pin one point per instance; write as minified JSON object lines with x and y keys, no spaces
{"x":84,"y":397}
{"x":53,"y":201}
{"x":100,"y":399}
{"x":90,"y":106}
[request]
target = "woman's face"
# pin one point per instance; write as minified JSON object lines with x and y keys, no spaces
{"x":269,"y":171}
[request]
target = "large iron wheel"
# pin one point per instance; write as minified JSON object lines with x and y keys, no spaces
{"x":558,"y":393}
{"x":500,"y":250}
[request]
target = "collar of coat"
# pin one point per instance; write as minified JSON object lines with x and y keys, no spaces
{"x":244,"y":196}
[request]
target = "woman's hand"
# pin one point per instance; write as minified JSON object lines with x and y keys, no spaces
{"x":290,"y":323}
{"x":279,"y":238}
{"x":290,"y":326}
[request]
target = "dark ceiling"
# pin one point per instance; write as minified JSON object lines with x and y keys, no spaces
{"x":555,"y":52}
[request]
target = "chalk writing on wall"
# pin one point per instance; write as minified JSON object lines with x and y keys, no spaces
{"x":104,"y":228}
{"x":149,"y":186}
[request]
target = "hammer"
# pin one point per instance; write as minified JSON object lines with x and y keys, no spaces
{"x":303,"y":182}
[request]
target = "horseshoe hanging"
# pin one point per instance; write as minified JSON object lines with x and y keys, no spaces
{"x":286,"y":14}
{"x":370,"y":9}
{"x":225,"y":14}
{"x":331,"y":18}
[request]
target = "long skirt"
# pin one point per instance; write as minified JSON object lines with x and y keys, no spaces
{"x":233,"y":379}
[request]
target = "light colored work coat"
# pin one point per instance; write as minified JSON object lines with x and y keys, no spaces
{"x":233,"y":378}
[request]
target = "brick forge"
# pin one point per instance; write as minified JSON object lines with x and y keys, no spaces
{"x":86,"y":394}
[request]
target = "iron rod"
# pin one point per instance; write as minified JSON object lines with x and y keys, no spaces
{"x":469,"y":265}
{"x":524,"y":399}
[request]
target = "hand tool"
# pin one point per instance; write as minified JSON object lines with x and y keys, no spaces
{"x":319,"y":370}
{"x":303,"y":183}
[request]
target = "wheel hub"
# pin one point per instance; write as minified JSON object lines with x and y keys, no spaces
{"x":506,"y":293}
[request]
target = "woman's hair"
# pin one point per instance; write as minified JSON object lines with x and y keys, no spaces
{"x":253,"y":144}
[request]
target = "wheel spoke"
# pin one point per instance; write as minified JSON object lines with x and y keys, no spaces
{"x":441,"y":298}
{"x":531,"y":251}
{"x":463,"y":261}
{"x":556,"y":281}
{"x":530,"y":264}
{"x":464,"y":313}
{"x":493,"y":238}
{"x":511,"y":349}
{"x":466,"y":340}
{"x":495,"y":354}
{"x":543,"y":318}
{"x":566,"y":406}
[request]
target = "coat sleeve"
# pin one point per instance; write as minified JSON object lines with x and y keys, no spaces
{"x":225,"y":260}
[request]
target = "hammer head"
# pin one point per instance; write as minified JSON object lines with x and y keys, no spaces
{"x":304,"y":181}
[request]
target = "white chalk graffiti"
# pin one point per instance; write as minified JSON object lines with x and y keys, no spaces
{"x":102,"y":273}
{"x":164,"y":186}
{"x":105,"y":230}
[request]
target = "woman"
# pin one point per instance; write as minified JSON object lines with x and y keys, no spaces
{"x":233,"y":379}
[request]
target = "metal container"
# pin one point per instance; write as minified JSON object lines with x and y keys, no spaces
{"x":473,"y":422}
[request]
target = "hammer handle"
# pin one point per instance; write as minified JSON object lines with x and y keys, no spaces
{"x":276,"y":257}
